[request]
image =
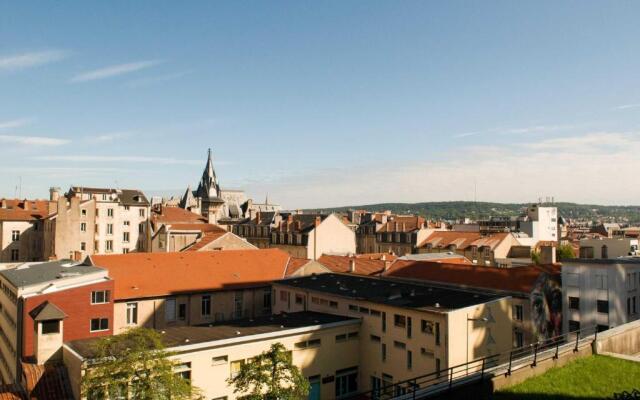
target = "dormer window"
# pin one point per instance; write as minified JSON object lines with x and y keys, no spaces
{"x":50,"y":327}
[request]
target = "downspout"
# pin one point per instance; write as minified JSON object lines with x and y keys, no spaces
{"x":19,"y":339}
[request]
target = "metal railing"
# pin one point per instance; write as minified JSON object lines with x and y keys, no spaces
{"x":477,"y":370}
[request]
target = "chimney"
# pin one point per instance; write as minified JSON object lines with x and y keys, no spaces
{"x":352,"y":265}
{"x":387,"y":265}
{"x":54,"y":193}
{"x":318,"y":220}
{"x":384,"y":257}
{"x":4,"y":203}
{"x":548,"y":254}
{"x":26,"y":205}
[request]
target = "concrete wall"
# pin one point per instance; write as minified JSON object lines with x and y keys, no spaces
{"x":624,"y":339}
{"x":29,"y":245}
{"x":333,"y":237}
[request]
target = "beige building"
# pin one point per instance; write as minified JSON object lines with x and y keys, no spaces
{"x":22,"y":229}
{"x":301,"y":235}
{"x":407,"y":329}
{"x":608,"y":248}
{"x":97,"y":221}
{"x":160,"y":290}
{"x":209,"y":355}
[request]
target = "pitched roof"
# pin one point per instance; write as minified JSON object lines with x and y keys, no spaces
{"x":301,"y":223}
{"x":175,"y":215}
{"x":140,"y":275}
{"x":443,"y":239}
{"x":342,"y":264}
{"x":402,"y":223}
{"x":518,"y":279}
{"x":295,"y":264}
{"x":23,"y":210}
{"x":207,"y":239}
{"x":51,"y":271}
{"x":47,"y":311}
{"x":377,"y":256}
{"x":197,"y":227}
{"x":133,"y":197}
{"x":47,"y":382}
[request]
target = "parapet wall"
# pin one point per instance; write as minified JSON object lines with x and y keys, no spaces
{"x":623,"y":339}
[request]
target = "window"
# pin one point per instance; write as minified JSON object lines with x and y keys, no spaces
{"x":109,"y":229}
{"x":399,"y":345}
{"x":363,"y":310}
{"x":299,"y":299}
{"x":220,"y":360}
{"x":15,"y":236}
{"x":266,"y":299}
{"x":99,"y":324}
{"x":346,"y":382}
{"x":109,"y":212}
{"x":83,"y":246}
{"x":108,"y":245}
{"x":400,"y":321}
{"x":375,"y":313}
{"x":205,"y":306}
{"x":409,"y":359}
{"x":182,"y":311}
{"x":353,"y":308}
{"x":604,"y":252}
{"x":83,"y":226}
{"x":100,"y":297}
{"x":384,"y":321}
{"x":15,"y":254}
{"x":518,"y":338}
{"x":518,"y":312}
{"x":235,"y":367}
{"x":409,"y":327}
{"x":437,"y":333}
{"x":628,"y":306}
{"x":574,"y":326}
{"x":308,"y":344}
{"x":125,"y":250}
{"x":125,"y":237}
{"x":83,"y":213}
{"x":141,"y":228}
{"x":126,"y":223}
{"x":383,"y":350}
{"x":51,"y":326}
{"x":375,"y":338}
{"x":603,"y":306}
{"x":170,"y":310}
{"x":574,"y":303}
{"x":126,"y":208}
{"x":633,"y":303}
{"x":426,"y":327}
{"x":141,"y":212}
{"x":132,"y":313}
{"x":601,"y":282}
{"x":333,"y":304}
{"x":341,"y":338}
{"x":438,"y":366}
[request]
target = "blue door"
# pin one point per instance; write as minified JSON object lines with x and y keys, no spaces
{"x":314,"y":390}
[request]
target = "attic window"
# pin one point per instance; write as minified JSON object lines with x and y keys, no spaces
{"x":51,"y":326}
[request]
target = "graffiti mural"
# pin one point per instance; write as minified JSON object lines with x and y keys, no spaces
{"x":546,"y":307}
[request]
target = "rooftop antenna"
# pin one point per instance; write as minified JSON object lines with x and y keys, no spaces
{"x":20,"y":187}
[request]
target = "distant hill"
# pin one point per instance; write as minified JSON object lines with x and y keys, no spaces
{"x":459,"y":209}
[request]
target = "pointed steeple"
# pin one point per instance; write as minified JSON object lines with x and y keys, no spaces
{"x":187,"y":199}
{"x":208,"y":187}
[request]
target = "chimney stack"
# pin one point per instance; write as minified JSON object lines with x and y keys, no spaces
{"x":26,"y":205}
{"x":387,"y":265}
{"x":318,"y":220}
{"x":54,"y":193}
{"x":352,"y":265}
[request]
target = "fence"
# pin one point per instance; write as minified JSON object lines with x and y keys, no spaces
{"x":477,"y":370}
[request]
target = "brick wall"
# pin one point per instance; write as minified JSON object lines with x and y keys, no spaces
{"x":76,"y":303}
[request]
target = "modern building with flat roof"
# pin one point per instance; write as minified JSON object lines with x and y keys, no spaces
{"x":408,"y":329}
{"x":210,"y":354}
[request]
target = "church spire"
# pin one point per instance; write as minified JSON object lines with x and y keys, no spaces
{"x":209,"y":187}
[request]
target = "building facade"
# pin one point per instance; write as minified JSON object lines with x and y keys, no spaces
{"x":22,"y":229}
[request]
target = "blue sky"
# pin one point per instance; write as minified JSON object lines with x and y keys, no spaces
{"x":324,"y":103}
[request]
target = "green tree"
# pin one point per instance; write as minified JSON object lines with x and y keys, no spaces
{"x":535,"y":257}
{"x":565,"y":252}
{"x":271,"y":376}
{"x":134,"y":365}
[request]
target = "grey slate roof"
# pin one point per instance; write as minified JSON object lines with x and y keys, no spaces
{"x":36,"y":273}
{"x":46,"y":312}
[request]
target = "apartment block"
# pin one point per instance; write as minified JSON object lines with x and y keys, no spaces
{"x":407,"y":329}
{"x":45,"y":304}
{"x":22,"y":229}
{"x":600,"y":294}
{"x":605,"y":248}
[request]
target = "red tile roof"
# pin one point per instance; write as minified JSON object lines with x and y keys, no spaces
{"x":47,"y":382}
{"x":197,"y":227}
{"x":342,"y":264}
{"x":377,"y":256}
{"x":12,"y":391}
{"x":140,"y":275}
{"x":23,"y":210}
{"x":443,"y":239}
{"x":176,"y":215}
{"x":402,"y":223}
{"x":295,"y":264}
{"x":517,"y":279}
{"x":206,"y":239}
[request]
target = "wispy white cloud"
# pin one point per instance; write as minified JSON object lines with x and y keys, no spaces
{"x":114,"y":70}
{"x":596,"y":141}
{"x":157,"y":79}
{"x":627,"y":106}
{"x":118,"y":159}
{"x":108,"y":137}
{"x":15,"y":123}
{"x":523,"y":130}
{"x":33,"y":140}
{"x":21,"y":61}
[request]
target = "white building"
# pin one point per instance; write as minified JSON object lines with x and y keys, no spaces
{"x":599,"y":293}
{"x":604,"y":248}
{"x":541,"y":223}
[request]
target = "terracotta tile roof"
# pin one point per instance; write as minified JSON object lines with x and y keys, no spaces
{"x":402,"y":223}
{"x":47,"y":382}
{"x":377,"y":256}
{"x":175,"y":215}
{"x":196,"y":227}
{"x":23,"y":210}
{"x":490,"y":241}
{"x":12,"y":391}
{"x":518,"y":279}
{"x":342,"y":264}
{"x":206,"y":239}
{"x":295,"y":264}
{"x":443,"y":239}
{"x":140,"y":275}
